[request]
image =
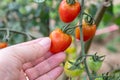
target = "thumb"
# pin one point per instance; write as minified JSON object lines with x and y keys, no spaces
{"x":30,"y":50}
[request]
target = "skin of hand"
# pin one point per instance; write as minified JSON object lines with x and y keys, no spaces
{"x":31,"y":59}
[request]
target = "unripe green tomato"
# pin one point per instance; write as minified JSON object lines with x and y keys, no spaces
{"x":73,"y":73}
{"x":94,"y":65}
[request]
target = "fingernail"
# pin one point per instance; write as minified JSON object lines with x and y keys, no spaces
{"x":46,"y":42}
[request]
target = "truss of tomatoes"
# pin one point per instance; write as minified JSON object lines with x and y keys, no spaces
{"x":68,"y":11}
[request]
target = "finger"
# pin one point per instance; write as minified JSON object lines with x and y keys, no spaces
{"x":52,"y":75}
{"x":22,"y":76}
{"x":33,"y":63}
{"x":27,"y":53}
{"x":45,"y":66}
{"x":30,"y":42}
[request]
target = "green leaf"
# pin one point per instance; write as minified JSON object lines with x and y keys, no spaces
{"x":116,"y":9}
{"x":112,"y":48}
{"x":92,"y":9}
{"x":49,"y":3}
{"x":108,"y":15}
{"x":39,"y":1}
{"x":106,"y":19}
{"x":110,"y":10}
{"x":117,"y":21}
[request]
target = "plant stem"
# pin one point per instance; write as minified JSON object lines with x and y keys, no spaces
{"x":18,"y":32}
{"x":98,"y":18}
{"x":81,"y":31}
{"x":81,"y":40}
{"x":87,"y":70}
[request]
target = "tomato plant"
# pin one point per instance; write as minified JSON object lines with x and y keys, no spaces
{"x":20,"y":20}
{"x":73,"y":73}
{"x":69,"y":11}
{"x":3,"y":45}
{"x":59,"y":41}
{"x":94,"y":65}
{"x":88,"y":31}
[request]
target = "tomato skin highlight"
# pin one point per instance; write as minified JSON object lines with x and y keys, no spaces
{"x":69,"y":12}
{"x":3,"y":45}
{"x":88,"y":31}
{"x":60,"y":41}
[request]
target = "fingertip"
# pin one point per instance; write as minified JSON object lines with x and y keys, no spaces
{"x":45,"y":43}
{"x":61,"y":55}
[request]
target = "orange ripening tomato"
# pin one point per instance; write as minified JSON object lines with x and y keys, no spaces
{"x":88,"y":31}
{"x":59,"y":41}
{"x":68,"y":12}
{"x":3,"y":45}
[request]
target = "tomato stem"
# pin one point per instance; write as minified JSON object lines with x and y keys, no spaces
{"x":89,"y":19}
{"x":82,"y":42}
{"x":68,"y":30}
{"x":18,"y":32}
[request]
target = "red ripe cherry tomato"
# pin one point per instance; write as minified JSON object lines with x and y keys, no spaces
{"x":59,"y":41}
{"x":68,"y":12}
{"x":88,"y":31}
{"x":3,"y":45}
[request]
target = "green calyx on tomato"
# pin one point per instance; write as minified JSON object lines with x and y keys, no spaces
{"x":95,"y":62}
{"x":60,"y":41}
{"x":68,"y":29}
{"x":98,"y":58}
{"x":89,"y":19}
{"x":69,"y":10}
{"x":77,"y":71}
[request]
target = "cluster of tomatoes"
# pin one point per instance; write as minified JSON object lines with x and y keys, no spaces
{"x":61,"y":40}
{"x":68,"y":11}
